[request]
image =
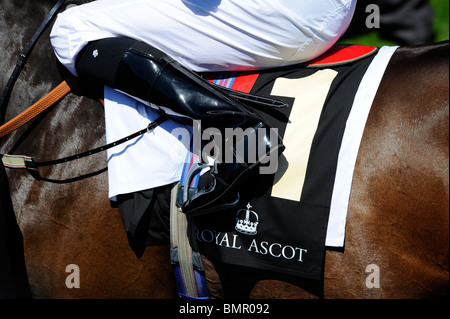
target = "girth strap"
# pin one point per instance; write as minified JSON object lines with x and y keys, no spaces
{"x":188,"y":264}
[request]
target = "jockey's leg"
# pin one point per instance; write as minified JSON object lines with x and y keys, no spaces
{"x":148,"y":74}
{"x":209,"y":36}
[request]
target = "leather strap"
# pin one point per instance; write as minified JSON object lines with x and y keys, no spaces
{"x":40,"y":106}
{"x":258,"y":102}
{"x":30,"y":163}
{"x":4,"y":99}
{"x":188,"y":264}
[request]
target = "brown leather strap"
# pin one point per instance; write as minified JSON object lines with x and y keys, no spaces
{"x":40,"y":106}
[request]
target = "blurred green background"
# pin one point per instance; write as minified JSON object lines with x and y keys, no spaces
{"x":441,"y":22}
{"x":440,"y":26}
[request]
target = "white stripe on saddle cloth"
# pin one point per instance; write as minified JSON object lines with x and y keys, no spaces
{"x":353,"y":134}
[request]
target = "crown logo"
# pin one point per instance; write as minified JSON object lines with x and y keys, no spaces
{"x":249,"y":224}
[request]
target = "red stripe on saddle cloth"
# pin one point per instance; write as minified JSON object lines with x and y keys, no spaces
{"x":337,"y":55}
{"x":243,"y":82}
{"x":341,"y":54}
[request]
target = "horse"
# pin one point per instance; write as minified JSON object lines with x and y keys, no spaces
{"x":398,"y":213}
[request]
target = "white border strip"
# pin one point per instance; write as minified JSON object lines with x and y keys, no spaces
{"x":348,"y":154}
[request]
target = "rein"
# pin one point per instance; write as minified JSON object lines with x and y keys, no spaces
{"x":24,"y":57}
{"x":40,"y":106}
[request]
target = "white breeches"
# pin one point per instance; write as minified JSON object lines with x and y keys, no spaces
{"x":209,"y":35}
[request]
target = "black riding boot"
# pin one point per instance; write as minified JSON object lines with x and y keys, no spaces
{"x":151,"y":75}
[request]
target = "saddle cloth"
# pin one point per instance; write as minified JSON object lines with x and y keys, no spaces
{"x":282,"y":225}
